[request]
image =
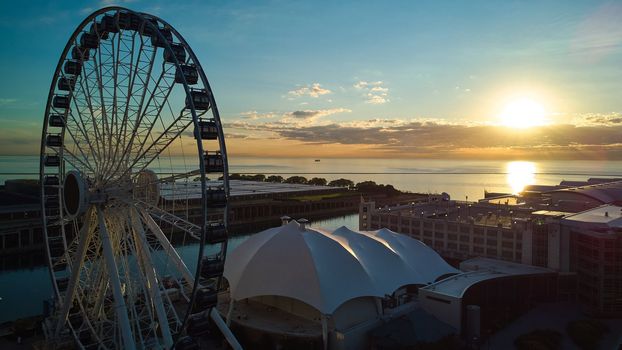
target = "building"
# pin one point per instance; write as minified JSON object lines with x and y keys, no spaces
{"x":595,"y":254}
{"x":501,"y":290}
{"x":252,"y":205}
{"x":303,"y":287}
{"x":572,"y":230}
{"x":20,"y":220}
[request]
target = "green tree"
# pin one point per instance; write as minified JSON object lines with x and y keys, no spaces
{"x":342,"y":183}
{"x":317,"y":181}
{"x":296,"y":180}
{"x":275,"y":178}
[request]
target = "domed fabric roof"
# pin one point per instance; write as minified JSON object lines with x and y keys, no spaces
{"x":325,"y":269}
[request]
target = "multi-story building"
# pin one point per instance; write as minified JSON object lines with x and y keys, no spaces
{"x":576,"y":231}
{"x":596,"y":257}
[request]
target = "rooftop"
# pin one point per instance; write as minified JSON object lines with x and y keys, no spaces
{"x":239,"y":188}
{"x":481,"y":269}
{"x":603,"y":216}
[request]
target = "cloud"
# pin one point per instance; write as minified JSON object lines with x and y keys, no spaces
{"x":314,"y":90}
{"x":442,"y":139}
{"x":312,"y":115}
{"x":254,"y":115}
{"x":7,"y":101}
{"x":374,"y":92}
{"x":596,"y":119}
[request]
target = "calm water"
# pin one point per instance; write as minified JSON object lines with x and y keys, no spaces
{"x":23,"y":290}
{"x":459,"y":178}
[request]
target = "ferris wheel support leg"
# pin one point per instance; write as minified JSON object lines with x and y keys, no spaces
{"x":119,"y":302}
{"x":153,"y":286}
{"x":220,"y":323}
{"x":83,"y":243}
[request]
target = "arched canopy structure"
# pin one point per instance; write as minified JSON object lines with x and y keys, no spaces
{"x":326,"y":269}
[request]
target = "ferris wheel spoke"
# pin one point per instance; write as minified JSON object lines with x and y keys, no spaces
{"x":77,"y":264}
{"x":182,"y":224}
{"x":77,"y":143}
{"x":79,"y":127}
{"x":178,"y":263}
{"x":153,"y":284}
{"x":150,"y":115}
{"x":94,"y":113}
{"x":120,"y":306}
{"x":160,"y":144}
{"x":76,"y":162}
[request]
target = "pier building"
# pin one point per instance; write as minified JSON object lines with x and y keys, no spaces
{"x":575,"y":231}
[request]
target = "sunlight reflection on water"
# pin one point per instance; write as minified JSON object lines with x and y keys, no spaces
{"x":520,"y":174}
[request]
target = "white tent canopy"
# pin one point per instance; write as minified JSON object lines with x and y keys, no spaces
{"x":325,"y":269}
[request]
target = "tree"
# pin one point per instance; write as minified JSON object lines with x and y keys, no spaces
{"x":257,"y":177}
{"x":317,"y":181}
{"x":367,"y":186}
{"x":342,"y":183}
{"x":296,"y":180}
{"x":275,"y":178}
{"x":235,"y":177}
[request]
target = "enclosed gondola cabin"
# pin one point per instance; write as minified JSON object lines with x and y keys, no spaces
{"x":109,"y":24}
{"x":57,"y":121}
{"x":128,"y":21}
{"x":208,"y":130}
{"x":73,"y":67}
{"x":89,"y":40}
{"x":216,"y":233}
{"x":54,"y":140}
{"x":60,"y":101}
{"x":98,"y":31}
{"x":80,"y":53}
{"x":200,"y":99}
{"x":216,"y":197}
{"x":165,"y":38}
{"x":176,"y":51}
{"x":187,"y":72}
{"x":66,"y":83}
{"x":51,"y":160}
{"x":212,"y":266}
{"x":213,"y":162}
{"x":207,"y":298}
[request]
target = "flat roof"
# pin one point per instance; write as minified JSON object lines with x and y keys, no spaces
{"x":481,"y":269}
{"x":605,"y":215}
{"x":553,"y":213}
{"x":238,"y":188}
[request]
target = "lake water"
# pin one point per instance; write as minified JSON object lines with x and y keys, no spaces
{"x":459,"y":178}
{"x":23,"y":290}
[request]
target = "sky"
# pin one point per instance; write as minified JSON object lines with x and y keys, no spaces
{"x":526,"y":80}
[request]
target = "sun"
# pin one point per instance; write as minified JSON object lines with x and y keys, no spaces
{"x":522,"y":113}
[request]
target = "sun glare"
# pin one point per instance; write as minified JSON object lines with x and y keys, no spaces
{"x":523,"y":113}
{"x":520,"y":174}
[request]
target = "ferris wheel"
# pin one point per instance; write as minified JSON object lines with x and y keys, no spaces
{"x":134,"y":186}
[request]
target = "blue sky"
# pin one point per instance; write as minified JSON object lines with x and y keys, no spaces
{"x":365,"y":66}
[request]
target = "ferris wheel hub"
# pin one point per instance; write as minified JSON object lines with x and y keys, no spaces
{"x":75,"y":194}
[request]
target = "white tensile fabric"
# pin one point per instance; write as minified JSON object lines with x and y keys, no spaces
{"x":325,"y":269}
